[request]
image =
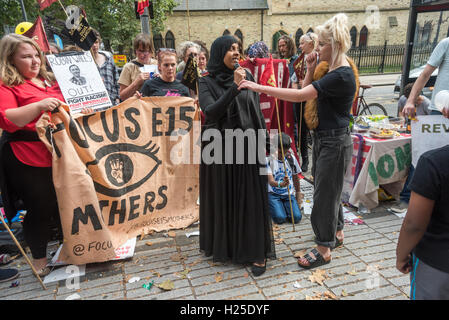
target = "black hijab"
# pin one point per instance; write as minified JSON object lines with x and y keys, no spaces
{"x":216,"y":67}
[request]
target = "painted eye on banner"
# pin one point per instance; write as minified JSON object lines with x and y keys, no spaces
{"x":121,"y":168}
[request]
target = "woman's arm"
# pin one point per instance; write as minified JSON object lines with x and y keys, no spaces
{"x":24,"y":115}
{"x":292,"y":95}
{"x":413,"y":228}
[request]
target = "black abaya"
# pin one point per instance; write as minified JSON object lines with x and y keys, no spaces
{"x":235,"y":223}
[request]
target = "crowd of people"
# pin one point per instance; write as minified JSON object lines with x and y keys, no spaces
{"x":237,"y":203}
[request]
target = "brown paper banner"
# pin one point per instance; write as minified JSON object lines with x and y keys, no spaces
{"x":124,"y":171}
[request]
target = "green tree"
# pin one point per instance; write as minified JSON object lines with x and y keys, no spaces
{"x":11,"y":13}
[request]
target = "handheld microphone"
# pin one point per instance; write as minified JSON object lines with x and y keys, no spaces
{"x":236,"y":65}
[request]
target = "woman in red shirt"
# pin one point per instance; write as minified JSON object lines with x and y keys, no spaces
{"x":27,"y":90}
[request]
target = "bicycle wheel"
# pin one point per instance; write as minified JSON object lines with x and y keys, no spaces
{"x":373,"y":108}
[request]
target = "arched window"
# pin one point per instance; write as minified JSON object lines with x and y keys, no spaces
{"x":276,"y":37}
{"x":158,"y":42}
{"x":298,"y":35}
{"x":169,"y":40}
{"x":310,"y":30}
{"x":239,"y":35}
{"x":363,"y":41}
{"x":425,"y":36}
{"x":226,"y":32}
{"x":353,"y":33}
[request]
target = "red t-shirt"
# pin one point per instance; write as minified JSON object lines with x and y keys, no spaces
{"x":32,"y":153}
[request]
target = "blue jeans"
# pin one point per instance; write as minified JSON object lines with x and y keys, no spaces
{"x":435,"y":113}
{"x":280,"y":208}
{"x":404,"y":196}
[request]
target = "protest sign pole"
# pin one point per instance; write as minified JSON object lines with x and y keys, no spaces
{"x":22,"y":251}
{"x":283,"y":162}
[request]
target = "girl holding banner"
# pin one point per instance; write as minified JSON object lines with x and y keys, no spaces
{"x":26,"y":92}
{"x":235,"y":222}
{"x":332,"y":143}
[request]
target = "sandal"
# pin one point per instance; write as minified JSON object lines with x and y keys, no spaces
{"x":314,"y":262}
{"x":338,"y":243}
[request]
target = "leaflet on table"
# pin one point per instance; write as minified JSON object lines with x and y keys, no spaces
{"x":123,"y":252}
{"x":151,"y":69}
{"x":79,"y":80}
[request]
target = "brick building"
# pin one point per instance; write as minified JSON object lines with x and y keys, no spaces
{"x":372,"y":22}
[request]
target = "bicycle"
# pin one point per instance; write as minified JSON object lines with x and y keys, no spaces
{"x":362,"y":108}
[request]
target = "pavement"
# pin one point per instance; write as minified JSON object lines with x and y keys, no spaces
{"x":378,"y":80}
{"x":363,"y":269}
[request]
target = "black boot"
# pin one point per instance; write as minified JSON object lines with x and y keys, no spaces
{"x":305,"y":164}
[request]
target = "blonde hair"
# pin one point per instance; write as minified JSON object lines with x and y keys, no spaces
{"x":336,"y":32}
{"x":310,"y":37}
{"x":9,"y":74}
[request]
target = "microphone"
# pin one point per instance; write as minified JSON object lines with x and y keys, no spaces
{"x":236,"y":65}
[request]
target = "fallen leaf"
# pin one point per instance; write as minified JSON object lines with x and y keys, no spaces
{"x":352,"y":272}
{"x":279,"y":241}
{"x":172,"y":234}
{"x":149,"y":243}
{"x":246,"y":275}
{"x":300,"y":254}
{"x":167,"y":285}
{"x":318,"y":276}
{"x":343,"y":293}
{"x":184,"y":273}
{"x":177,"y":257}
{"x":330,"y":295}
{"x":219,"y":277}
{"x":142,"y":235}
{"x":195,"y":263}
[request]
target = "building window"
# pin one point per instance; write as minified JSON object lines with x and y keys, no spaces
{"x":169,"y":40}
{"x":298,"y":36}
{"x":363,"y":41}
{"x":158,"y":42}
{"x":226,"y":32}
{"x":353,"y":33}
{"x":276,"y":37}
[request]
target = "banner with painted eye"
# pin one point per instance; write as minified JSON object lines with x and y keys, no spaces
{"x":123,"y":171}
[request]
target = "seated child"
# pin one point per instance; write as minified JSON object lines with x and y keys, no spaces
{"x":422,"y":103}
{"x":278,"y":180}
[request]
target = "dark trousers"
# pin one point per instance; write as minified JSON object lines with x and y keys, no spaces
{"x":404,"y":196}
{"x":300,"y":122}
{"x":34,"y":186}
{"x":332,"y":151}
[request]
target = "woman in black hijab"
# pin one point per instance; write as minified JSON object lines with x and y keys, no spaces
{"x":235,"y":222}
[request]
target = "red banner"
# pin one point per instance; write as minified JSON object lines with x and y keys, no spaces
{"x":37,"y":33}
{"x":45,"y":3}
{"x":141,"y":5}
{"x":267,"y":103}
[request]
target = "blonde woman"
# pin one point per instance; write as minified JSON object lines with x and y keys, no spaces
{"x":308,"y":44}
{"x":27,"y":90}
{"x":332,"y":143}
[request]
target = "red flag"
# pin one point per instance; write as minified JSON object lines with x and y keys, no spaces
{"x":298,"y":66}
{"x":141,"y":5}
{"x":267,"y":78}
{"x":37,"y":33}
{"x":45,"y":3}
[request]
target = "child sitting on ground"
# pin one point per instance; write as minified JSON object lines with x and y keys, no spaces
{"x":422,"y":103}
{"x":278,"y":180}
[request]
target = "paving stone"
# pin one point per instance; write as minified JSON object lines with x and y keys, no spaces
{"x":400,"y":281}
{"x":226,"y":294}
{"x":378,"y":256}
{"x":157,"y":294}
{"x":362,"y":285}
{"x":62,"y":289}
{"x":210,"y":278}
{"x":301,"y":294}
{"x":376,"y":249}
{"x":110,"y":296}
{"x":91,"y":292}
{"x":389,"y":229}
{"x":222,"y":285}
{"x":378,"y":293}
{"x":276,"y":290}
{"x":368,"y":243}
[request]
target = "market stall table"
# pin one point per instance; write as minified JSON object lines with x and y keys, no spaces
{"x":376,"y":162}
